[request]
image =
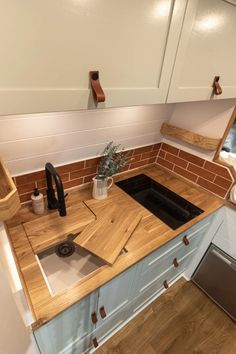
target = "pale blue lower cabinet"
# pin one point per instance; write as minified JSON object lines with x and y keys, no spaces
{"x":64,"y":332}
{"x":72,"y":332}
{"x":114,"y":295}
{"x":113,"y":298}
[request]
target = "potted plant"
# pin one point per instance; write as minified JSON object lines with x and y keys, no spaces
{"x":112,"y":161}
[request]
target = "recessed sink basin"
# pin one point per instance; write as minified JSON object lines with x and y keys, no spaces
{"x":60,"y":273}
{"x":168,"y":206}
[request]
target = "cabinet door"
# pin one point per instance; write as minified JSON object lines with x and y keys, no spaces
{"x":115,"y":295}
{"x":206,"y":49}
{"x":50,"y":46}
{"x":65,"y":332}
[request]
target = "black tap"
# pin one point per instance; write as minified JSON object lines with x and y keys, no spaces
{"x":53,"y":203}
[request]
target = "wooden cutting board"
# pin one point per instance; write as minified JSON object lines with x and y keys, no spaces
{"x":107,"y":236}
{"x":52,"y":228}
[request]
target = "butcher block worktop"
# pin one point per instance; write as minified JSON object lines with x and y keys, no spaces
{"x":30,"y":234}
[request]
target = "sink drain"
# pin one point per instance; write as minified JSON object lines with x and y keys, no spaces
{"x":65,"y":249}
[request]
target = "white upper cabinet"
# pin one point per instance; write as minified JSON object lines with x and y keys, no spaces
{"x":49,"y":47}
{"x":141,"y":48}
{"x":207,"y":49}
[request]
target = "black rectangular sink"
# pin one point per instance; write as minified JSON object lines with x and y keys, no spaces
{"x":168,"y":206}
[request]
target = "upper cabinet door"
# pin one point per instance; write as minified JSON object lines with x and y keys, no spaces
{"x":207,"y":49}
{"x":49,"y":47}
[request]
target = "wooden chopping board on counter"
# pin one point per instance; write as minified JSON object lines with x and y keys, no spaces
{"x":49,"y":229}
{"x":107,"y":235}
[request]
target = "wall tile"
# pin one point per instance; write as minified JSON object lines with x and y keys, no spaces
{"x":30,"y":177}
{"x":191,"y":158}
{"x":176,"y":160}
{"x":146,"y":155}
{"x":89,"y":178}
{"x":135,"y":158}
{"x":162,"y":154}
{"x":143,"y":149}
{"x":74,"y":183}
{"x":165,"y":163}
{"x":83,"y":172}
{"x":26,"y":188}
{"x":157,"y":146}
{"x":186,"y":174}
{"x":211,"y":187}
{"x":222,"y":182}
{"x":209,"y":175}
{"x":217,"y":169}
{"x":142,"y":163}
{"x":201,"y":172}
{"x":173,"y":150}
{"x":80,"y":172}
{"x":92,"y":162}
{"x":71,"y":167}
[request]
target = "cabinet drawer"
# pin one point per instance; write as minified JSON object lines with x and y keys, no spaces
{"x":152,"y":269}
{"x":151,"y":291}
{"x":193,"y":235}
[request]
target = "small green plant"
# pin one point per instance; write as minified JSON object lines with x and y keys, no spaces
{"x":112,"y":161}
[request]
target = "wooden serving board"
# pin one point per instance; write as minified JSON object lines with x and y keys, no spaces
{"x":107,"y":236}
{"x":52,"y":228}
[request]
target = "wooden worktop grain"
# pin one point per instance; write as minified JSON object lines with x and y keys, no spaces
{"x":151,"y":234}
{"x":51,"y":229}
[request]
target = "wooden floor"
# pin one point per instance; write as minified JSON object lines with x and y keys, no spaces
{"x":181,"y":321}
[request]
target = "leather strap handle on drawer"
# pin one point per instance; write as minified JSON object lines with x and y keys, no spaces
{"x":98,"y":93}
{"x":102,"y":312}
{"x":165,"y":284}
{"x":94,"y":317}
{"x":95,"y":342}
{"x":185,"y":241}
{"x":175,"y":262}
{"x":217,"y":90}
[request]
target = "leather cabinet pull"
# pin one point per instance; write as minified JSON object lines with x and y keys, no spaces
{"x":95,"y":342}
{"x":165,"y":284}
{"x":102,"y":312}
{"x":98,"y":93}
{"x":175,"y":262}
{"x":185,"y":241}
{"x":217,"y":90}
{"x":94,"y":317}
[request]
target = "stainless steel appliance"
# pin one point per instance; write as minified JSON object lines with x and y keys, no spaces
{"x":216,"y":276}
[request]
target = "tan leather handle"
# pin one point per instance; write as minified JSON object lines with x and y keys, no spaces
{"x":185,"y":241}
{"x":95,"y":342}
{"x":175,"y":262}
{"x":102,"y":312}
{"x":217,"y":90}
{"x":165,"y":284}
{"x":94,"y":317}
{"x":98,"y":93}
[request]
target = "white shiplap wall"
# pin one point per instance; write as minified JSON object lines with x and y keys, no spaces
{"x":27,"y":142}
{"x":208,"y":118}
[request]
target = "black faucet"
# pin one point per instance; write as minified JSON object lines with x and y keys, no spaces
{"x":53,"y":203}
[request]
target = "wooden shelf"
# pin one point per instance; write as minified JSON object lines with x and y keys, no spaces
{"x":189,"y":137}
{"x":9,"y":198}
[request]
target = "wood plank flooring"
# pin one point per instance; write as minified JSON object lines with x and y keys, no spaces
{"x":181,"y":321}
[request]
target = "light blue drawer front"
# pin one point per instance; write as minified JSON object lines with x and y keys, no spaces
{"x":193,"y":233}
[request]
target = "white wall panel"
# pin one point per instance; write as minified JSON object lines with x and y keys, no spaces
{"x":207,"y":118}
{"x":27,"y":142}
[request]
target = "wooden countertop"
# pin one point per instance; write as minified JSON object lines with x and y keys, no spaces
{"x":149,"y":235}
